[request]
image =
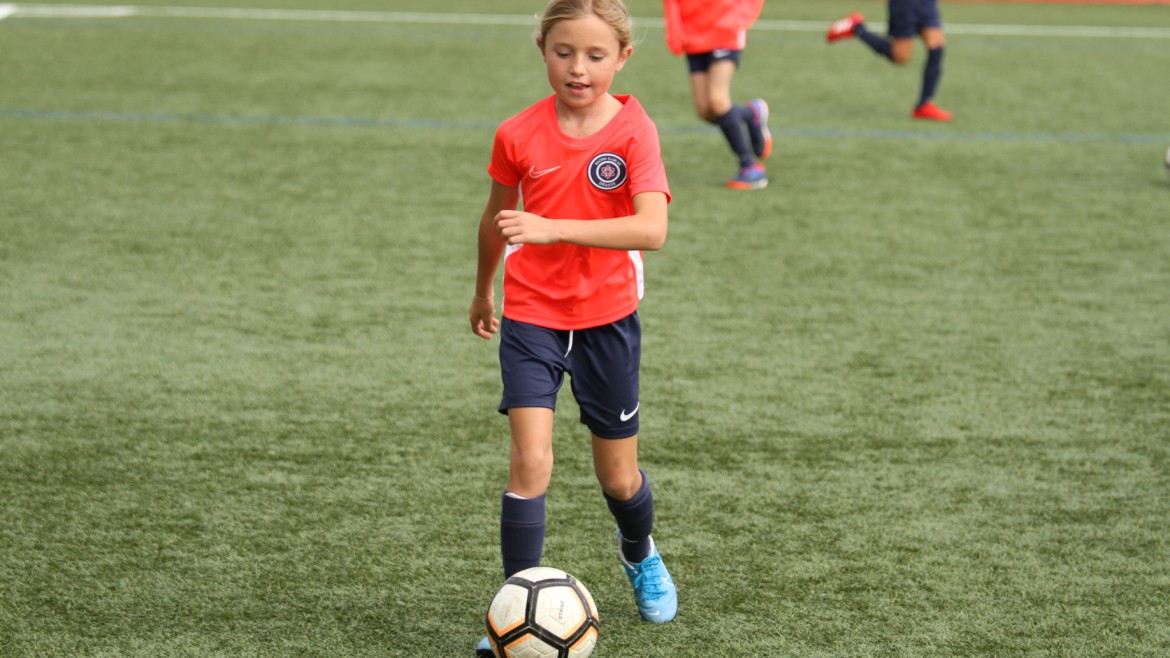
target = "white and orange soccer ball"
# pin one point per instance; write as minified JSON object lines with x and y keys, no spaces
{"x":542,"y":613}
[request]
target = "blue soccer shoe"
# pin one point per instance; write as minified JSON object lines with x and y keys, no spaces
{"x":654,"y":589}
{"x":751,"y":177}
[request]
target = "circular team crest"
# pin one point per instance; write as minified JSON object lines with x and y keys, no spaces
{"x":607,"y":171}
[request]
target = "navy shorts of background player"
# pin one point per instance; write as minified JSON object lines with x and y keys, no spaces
{"x":701,"y":62}
{"x":602,"y":364}
{"x":909,"y":17}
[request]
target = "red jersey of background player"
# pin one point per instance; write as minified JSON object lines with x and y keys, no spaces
{"x":562,"y":285}
{"x":702,"y":26}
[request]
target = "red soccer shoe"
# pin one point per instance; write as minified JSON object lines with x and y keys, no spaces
{"x":843,"y":29}
{"x":931,"y":112}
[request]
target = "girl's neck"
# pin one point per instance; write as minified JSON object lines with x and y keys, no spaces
{"x":586,"y":121}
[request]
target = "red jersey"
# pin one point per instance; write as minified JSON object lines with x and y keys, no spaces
{"x":701,"y":26}
{"x":568,"y":286}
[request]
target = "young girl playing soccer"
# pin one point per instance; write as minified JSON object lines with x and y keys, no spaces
{"x":712,"y":34}
{"x":588,"y":167}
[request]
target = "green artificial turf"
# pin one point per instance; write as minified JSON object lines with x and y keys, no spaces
{"x":911,"y":400}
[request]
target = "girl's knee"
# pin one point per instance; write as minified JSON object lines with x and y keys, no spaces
{"x":718,"y":108}
{"x":620,"y":486}
{"x":532,"y":461}
{"x":703,"y":111}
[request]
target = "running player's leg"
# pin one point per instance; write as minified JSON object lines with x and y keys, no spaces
{"x":935,"y":42}
{"x":627,"y":493}
{"x":711,"y":75}
{"x":631,"y":501}
{"x":699,"y":94}
{"x":522,"y":508}
{"x":532,"y":365}
{"x":732,"y":119}
{"x":605,"y":366}
{"x":876,"y":42}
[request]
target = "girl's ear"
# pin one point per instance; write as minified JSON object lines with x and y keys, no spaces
{"x":623,"y":56}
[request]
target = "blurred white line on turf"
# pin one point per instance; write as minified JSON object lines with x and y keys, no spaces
{"x":6,"y":11}
{"x":71,"y":11}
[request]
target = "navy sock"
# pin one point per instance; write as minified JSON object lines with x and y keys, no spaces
{"x":521,"y":532}
{"x":635,"y":519}
{"x":931,"y":74}
{"x":879,"y":44}
{"x":732,"y":125}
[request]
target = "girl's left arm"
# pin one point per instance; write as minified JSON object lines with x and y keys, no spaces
{"x":645,"y":230}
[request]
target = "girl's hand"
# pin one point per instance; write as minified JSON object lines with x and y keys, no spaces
{"x":516,"y":227}
{"x":483,"y":317}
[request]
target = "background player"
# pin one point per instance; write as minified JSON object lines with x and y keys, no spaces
{"x":907,"y":18}
{"x":712,"y":34}
{"x":589,"y":169}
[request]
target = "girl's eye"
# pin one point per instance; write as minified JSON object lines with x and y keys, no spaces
{"x":596,"y":58}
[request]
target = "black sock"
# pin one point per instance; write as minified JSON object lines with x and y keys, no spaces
{"x":635,"y":520}
{"x":732,"y":125}
{"x":879,"y":44}
{"x":931,"y":74}
{"x":522,"y":523}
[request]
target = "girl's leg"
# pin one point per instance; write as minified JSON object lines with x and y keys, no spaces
{"x":719,"y":76}
{"x":522,"y":509}
{"x":876,"y":42}
{"x":700,"y":96}
{"x":901,"y":50}
{"x":531,"y":462}
{"x":627,"y":492}
{"x":732,"y":119}
{"x":932,"y":38}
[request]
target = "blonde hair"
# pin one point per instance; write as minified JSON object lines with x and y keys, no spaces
{"x":612,"y":12}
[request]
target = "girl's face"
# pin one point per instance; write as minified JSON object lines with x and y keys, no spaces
{"x":582,"y":55}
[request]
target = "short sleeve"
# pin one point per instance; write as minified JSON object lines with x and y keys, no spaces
{"x":502,"y":168}
{"x":647,"y":171}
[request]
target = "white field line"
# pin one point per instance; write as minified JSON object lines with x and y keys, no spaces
{"x":396,"y":17}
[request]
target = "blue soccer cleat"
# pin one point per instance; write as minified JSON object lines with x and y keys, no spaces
{"x":483,"y":649}
{"x":751,"y":177}
{"x":654,"y":589}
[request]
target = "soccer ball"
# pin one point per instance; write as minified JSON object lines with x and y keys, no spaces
{"x":542,"y":613}
{"x":1166,"y":162}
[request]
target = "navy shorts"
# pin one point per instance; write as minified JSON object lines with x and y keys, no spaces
{"x":602,"y":364}
{"x":909,"y":17}
{"x":703,"y":61}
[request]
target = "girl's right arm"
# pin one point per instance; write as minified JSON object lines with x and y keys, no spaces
{"x":491,"y":248}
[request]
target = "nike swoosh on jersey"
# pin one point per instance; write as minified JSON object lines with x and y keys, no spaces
{"x":626,"y":416}
{"x":537,"y":174}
